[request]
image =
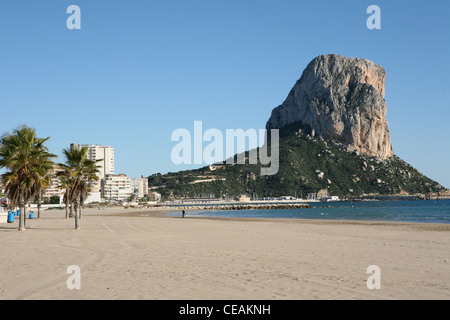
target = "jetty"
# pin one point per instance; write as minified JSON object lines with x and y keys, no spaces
{"x":243,"y":206}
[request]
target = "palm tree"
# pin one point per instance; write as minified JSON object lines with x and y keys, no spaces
{"x":79,"y":173}
{"x":65,"y":182}
{"x":27,"y":161}
{"x":42,"y":184}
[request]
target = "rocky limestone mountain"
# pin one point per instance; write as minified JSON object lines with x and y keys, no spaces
{"x":340,"y":99}
{"x":337,"y":106}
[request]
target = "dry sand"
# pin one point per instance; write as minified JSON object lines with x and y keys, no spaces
{"x":124,"y":255}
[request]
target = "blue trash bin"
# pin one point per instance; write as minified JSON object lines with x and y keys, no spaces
{"x":10,"y":217}
{"x":31,"y":216}
{"x":18,"y":213}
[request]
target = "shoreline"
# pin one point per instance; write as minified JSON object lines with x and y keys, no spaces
{"x":164,"y":214}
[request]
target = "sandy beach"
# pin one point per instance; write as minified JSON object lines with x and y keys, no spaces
{"x":142,"y":254}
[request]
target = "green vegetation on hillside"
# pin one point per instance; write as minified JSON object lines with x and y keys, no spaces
{"x":307,"y":164}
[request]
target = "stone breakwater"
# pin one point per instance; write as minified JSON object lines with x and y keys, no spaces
{"x":242,"y":206}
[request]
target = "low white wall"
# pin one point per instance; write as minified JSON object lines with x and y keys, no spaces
{"x":4,"y":217}
{"x":45,"y":205}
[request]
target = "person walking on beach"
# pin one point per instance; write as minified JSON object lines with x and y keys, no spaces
{"x":183,"y":213}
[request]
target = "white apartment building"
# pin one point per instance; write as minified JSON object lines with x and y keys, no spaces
{"x":106,"y":166}
{"x":154,"y":196}
{"x":99,"y":152}
{"x":117,"y":187}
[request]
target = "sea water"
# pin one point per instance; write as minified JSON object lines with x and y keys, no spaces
{"x":428,"y":211}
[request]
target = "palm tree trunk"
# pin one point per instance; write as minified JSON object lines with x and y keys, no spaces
{"x":22,"y":218}
{"x":79,"y":209}
{"x":39,"y":204}
{"x":22,"y":213}
{"x":71,"y":211}
{"x":66,"y":201}
{"x":25,"y":216}
{"x":77,"y":225}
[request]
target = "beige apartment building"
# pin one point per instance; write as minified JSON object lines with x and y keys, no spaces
{"x":54,"y":187}
{"x":142,"y":187}
{"x":117,"y":187}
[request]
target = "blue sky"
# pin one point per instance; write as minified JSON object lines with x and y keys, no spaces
{"x":138,"y":70}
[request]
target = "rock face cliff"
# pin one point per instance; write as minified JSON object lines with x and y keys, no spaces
{"x":340,"y":99}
